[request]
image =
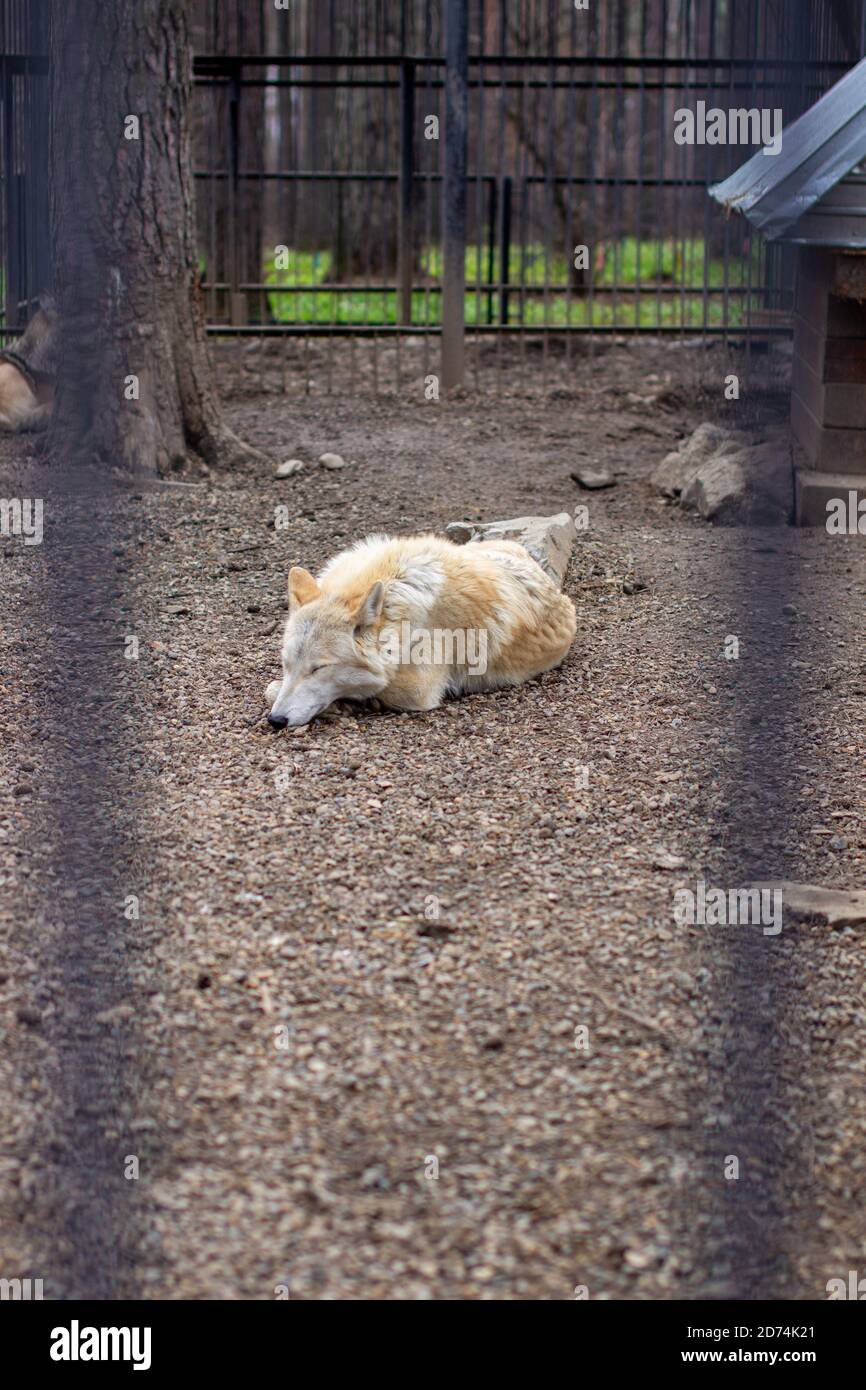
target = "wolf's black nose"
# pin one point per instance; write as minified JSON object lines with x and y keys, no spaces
{"x":276,"y":721}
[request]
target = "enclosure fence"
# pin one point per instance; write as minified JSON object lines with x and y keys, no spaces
{"x":408,"y":168}
{"x":440,"y":168}
{"x":25,"y":266}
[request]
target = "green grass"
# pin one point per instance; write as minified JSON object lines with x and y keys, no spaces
{"x":637,"y":268}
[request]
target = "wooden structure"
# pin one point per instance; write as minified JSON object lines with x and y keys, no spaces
{"x":813,"y":193}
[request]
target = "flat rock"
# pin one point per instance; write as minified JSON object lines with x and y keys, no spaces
{"x":548,"y":539}
{"x":593,"y":478}
{"x":837,"y":907}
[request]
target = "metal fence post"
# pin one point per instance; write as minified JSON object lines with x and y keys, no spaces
{"x":504,"y":249}
{"x":405,"y":230}
{"x":454,"y":195}
{"x":39,"y":238}
{"x":14,"y":274}
{"x":491,"y":246}
{"x":237,"y":300}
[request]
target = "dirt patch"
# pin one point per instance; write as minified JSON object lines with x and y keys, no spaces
{"x":367,"y":950}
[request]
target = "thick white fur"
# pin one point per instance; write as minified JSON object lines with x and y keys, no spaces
{"x":359,"y":629}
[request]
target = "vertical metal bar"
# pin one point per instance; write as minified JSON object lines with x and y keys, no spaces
{"x":237,"y":307}
{"x":687,"y":170}
{"x":491,"y":245}
{"x":4,"y":167}
{"x":13,"y":225}
{"x":365,"y":195}
{"x":593,"y":125}
{"x":430,"y":306}
{"x":406,"y":234}
{"x":550,"y":174}
{"x":619,"y":139}
{"x":753,"y":239}
{"x":4,"y":179}
{"x":523,"y":169}
{"x":710,"y":171}
{"x":662,"y":202}
{"x":571,"y":124}
{"x":727,"y":251}
{"x":479,"y":146}
{"x":525,"y":195}
{"x":454,"y":195}
{"x":39,"y":146}
{"x":639,"y":171}
{"x":504,"y":249}
{"x":502,"y":121}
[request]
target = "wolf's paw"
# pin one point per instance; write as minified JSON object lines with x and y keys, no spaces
{"x":272,"y":691}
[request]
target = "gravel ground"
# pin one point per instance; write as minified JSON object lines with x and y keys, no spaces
{"x":337,"y":1029}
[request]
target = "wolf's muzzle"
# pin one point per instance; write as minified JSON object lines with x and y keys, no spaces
{"x":277,"y":721}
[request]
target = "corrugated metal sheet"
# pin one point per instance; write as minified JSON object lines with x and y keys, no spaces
{"x":818,"y":150}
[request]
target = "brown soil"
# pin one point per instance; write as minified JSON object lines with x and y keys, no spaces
{"x":368,"y":945}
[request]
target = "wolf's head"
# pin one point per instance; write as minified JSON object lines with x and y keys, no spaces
{"x":330,"y":650}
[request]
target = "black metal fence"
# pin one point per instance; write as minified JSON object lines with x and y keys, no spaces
{"x":331,"y":140}
{"x":325,"y":152}
{"x":25,"y":267}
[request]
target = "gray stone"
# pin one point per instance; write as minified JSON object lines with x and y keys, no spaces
{"x":593,"y":478}
{"x":332,"y":461}
{"x":460,"y":532}
{"x":751,"y":486}
{"x":716,"y":488}
{"x":548,"y":539}
{"x":673,"y":474}
{"x":728,"y":479}
{"x":678,"y":468}
{"x":290,"y":467}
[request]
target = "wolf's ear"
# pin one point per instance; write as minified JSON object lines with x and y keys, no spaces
{"x":302,"y":587}
{"x":371,"y":609}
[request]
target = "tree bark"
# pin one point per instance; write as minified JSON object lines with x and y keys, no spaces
{"x":123,"y":239}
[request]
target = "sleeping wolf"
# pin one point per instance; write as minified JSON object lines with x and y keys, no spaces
{"x":415,"y":619}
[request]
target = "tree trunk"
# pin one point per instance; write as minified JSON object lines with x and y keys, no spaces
{"x":123,"y":237}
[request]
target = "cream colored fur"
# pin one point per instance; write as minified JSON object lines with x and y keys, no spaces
{"x":20,"y":407}
{"x":351,"y":631}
